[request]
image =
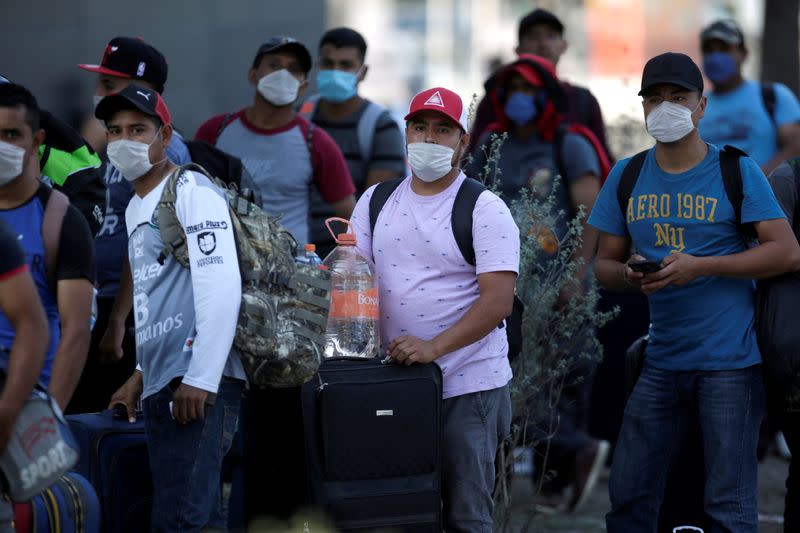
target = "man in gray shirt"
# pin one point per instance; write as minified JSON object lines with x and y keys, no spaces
{"x":370,"y":140}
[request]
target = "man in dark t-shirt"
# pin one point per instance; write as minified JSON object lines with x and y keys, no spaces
{"x":55,"y":238}
{"x":541,"y":33}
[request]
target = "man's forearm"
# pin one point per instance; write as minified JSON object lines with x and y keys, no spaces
{"x":764,"y":261}
{"x":68,"y":364}
{"x":610,"y":274}
{"x":24,"y":365}
{"x":484,"y":315}
{"x":123,"y":301}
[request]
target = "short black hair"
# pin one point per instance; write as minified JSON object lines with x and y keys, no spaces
{"x":536,"y":17}
{"x":343,"y":38}
{"x":15,"y":95}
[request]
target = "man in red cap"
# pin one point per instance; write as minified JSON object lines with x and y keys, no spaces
{"x":526,"y":99}
{"x":438,"y":304}
{"x":189,"y":377}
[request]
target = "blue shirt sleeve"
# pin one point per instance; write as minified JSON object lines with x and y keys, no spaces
{"x":606,"y":214}
{"x":579,"y":158}
{"x":787,"y":108}
{"x":177,"y":151}
{"x":759,"y":200}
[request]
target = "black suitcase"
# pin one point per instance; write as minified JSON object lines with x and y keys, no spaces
{"x":373,"y":441}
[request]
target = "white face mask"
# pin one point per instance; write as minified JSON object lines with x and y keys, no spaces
{"x":279,"y":88}
{"x":131,"y":158}
{"x":429,"y":161}
{"x":669,"y":122}
{"x":12,"y":161}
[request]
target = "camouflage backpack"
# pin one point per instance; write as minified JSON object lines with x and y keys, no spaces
{"x":280,"y":335}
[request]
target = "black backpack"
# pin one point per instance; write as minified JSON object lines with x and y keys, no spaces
{"x":461,"y":224}
{"x":776,"y":308}
{"x":226,"y":167}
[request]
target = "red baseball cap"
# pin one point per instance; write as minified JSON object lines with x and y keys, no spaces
{"x":128,"y":57}
{"x":137,"y":97}
{"x":442,"y":101}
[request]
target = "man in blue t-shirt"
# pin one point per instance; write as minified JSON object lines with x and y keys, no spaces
{"x":126,"y":60}
{"x":738,"y":113}
{"x":55,"y":238}
{"x":702,"y":362}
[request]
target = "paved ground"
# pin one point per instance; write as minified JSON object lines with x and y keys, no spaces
{"x":772,"y":476}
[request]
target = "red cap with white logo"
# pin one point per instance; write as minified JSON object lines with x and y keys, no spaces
{"x":440,"y":100}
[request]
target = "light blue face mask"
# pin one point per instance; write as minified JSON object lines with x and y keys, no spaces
{"x":336,"y":85}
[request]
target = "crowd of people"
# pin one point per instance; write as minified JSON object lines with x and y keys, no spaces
{"x":128,"y":327}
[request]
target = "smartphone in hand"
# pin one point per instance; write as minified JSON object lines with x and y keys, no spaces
{"x":646,"y":267}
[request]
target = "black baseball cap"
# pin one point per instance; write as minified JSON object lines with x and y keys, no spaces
{"x":137,"y":97}
{"x":280,"y":42}
{"x":672,"y":67}
{"x":539,"y":16}
{"x":725,"y":30}
{"x":128,"y":57}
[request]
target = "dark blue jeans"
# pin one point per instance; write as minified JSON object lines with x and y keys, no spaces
{"x":729,"y":406}
{"x":186,"y":460}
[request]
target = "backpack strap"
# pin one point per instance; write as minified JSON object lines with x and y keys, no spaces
{"x":53,"y":220}
{"x":769,"y":98}
{"x":461,"y":217}
{"x":732,"y":179}
{"x":795,"y":164}
{"x":630,"y":174}
{"x":172,"y":233}
{"x":365,"y":130}
{"x":227,"y":119}
{"x":379,"y":198}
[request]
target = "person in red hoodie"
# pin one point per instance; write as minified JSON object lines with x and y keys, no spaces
{"x":529,"y":102}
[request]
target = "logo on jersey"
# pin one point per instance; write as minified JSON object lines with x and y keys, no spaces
{"x":435,"y":99}
{"x":207,"y":242}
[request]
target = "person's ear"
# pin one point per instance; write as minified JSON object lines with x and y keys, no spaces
{"x":302,"y":88}
{"x":252,"y":76}
{"x":38,"y":139}
{"x":364,"y":70}
{"x":166,"y":134}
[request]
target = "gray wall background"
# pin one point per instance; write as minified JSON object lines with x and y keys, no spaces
{"x":209,"y":45}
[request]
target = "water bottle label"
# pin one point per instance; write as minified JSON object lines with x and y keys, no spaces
{"x":355,"y":304}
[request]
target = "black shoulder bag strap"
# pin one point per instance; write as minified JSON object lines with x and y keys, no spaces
{"x":379,"y":198}
{"x":461,"y":218}
{"x":630,"y":174}
{"x":732,"y":179}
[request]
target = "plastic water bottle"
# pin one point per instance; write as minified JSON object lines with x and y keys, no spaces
{"x":352,"y":330}
{"x":309,"y":256}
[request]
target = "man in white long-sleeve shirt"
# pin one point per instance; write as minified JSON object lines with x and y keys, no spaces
{"x":190,"y":379}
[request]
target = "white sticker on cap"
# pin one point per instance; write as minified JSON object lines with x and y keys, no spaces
{"x":435,"y":99}
{"x":140,"y":70}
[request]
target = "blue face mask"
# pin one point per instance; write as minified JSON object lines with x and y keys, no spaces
{"x":336,"y":85}
{"x":719,"y":66}
{"x":521,"y":108}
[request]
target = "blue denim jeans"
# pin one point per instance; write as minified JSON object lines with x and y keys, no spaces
{"x":474,"y":425}
{"x":729,"y":406}
{"x":186,"y":460}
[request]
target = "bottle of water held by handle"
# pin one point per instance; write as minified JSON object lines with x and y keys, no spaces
{"x":352,"y":331}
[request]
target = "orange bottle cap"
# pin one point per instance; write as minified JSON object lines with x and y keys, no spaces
{"x":347,"y":239}
{"x":310,"y":248}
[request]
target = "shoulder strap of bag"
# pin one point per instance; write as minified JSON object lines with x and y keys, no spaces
{"x":630,"y":175}
{"x":461,"y":218}
{"x":366,"y":129}
{"x":53,"y":221}
{"x":769,"y":98}
{"x":732,"y":179}
{"x":172,"y":234}
{"x":795,"y":164}
{"x":379,"y":198}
